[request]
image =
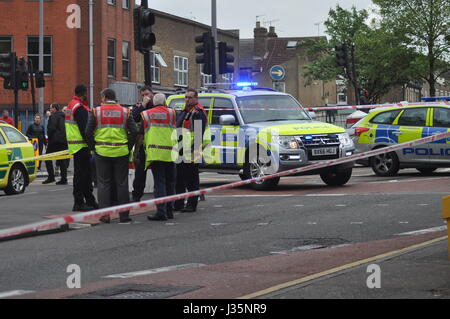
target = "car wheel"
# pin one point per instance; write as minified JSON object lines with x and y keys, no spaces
{"x":426,"y":170}
{"x":16,"y":181}
{"x":254,"y":168}
{"x":336,"y":178}
{"x":386,"y":164}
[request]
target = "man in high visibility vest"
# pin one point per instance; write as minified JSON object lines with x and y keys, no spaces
{"x":111,"y":131}
{"x":76,"y":117}
{"x":194,"y":124}
{"x":160,"y":139}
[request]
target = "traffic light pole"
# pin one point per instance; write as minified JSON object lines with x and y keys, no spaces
{"x":147,"y":62}
{"x":214,"y":35}
{"x":31,"y":75}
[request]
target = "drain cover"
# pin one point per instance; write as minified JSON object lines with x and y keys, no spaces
{"x":132,"y":291}
{"x":286,"y":245}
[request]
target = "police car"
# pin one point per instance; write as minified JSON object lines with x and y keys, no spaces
{"x":15,"y":174}
{"x":277,"y":127}
{"x":389,"y":126}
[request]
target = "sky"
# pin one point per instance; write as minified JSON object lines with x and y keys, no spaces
{"x":291,"y":18}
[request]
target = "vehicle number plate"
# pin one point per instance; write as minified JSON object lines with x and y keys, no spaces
{"x":324,"y":151}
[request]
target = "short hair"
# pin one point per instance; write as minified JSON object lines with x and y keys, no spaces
{"x":56,"y":106}
{"x":146,"y":88}
{"x":80,"y":90}
{"x":37,"y":114}
{"x":109,"y":94}
{"x":159,"y":99}
{"x":192,"y":90}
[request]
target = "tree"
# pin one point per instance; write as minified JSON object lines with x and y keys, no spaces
{"x":425,"y":25}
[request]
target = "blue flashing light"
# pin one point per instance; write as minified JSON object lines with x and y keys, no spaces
{"x":244,"y":84}
{"x":435,"y":98}
{"x":308,"y":137}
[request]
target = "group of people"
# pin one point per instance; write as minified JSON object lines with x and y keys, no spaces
{"x":110,"y":132}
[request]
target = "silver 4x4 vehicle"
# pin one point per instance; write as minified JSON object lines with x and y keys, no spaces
{"x":272,"y":123}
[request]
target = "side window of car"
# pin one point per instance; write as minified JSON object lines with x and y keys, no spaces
{"x":177,"y":104}
{"x":13,"y":135}
{"x":385,"y":117}
{"x":2,"y":139}
{"x":441,"y":117}
{"x":413,"y":117}
{"x":222,"y":106}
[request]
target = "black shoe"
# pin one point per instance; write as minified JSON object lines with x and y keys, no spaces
{"x":94,"y":205}
{"x":136,"y":199}
{"x":176,"y":209}
{"x":81,"y":208}
{"x":188,"y":209}
{"x":169,"y":215}
{"x":48,"y":181}
{"x":126,"y":220}
{"x":62,"y":182}
{"x":156,"y":217}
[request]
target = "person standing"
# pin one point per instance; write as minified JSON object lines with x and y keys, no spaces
{"x":57,"y":141}
{"x":140,"y":172}
{"x":76,"y":119}
{"x":192,"y":119}
{"x":36,"y":130}
{"x":111,"y":131}
{"x":6,"y":118}
{"x":159,"y":134}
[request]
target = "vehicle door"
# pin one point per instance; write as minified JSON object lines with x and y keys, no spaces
{"x":225,"y":137}
{"x":412,"y":125}
{"x":4,"y":165}
{"x":439,"y":150}
{"x":19,"y":148}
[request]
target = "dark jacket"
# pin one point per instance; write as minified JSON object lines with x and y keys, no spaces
{"x":56,"y":131}
{"x":37,"y":131}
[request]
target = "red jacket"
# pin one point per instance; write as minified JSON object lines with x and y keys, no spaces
{"x":8,"y":120}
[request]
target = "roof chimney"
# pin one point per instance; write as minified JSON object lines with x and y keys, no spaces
{"x":272,"y":33}
{"x":260,"y":42}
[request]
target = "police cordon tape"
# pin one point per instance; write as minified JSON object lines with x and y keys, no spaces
{"x":46,"y":157}
{"x":83,"y":217}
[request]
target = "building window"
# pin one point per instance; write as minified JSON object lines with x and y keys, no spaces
{"x":5,"y":44}
{"x":126,"y":4}
{"x":111,"y":2}
{"x":33,"y":53}
{"x":111,"y":57}
{"x":228,"y":77}
{"x":181,"y":71}
{"x":205,"y":78}
{"x":155,"y":69}
{"x":126,"y":60}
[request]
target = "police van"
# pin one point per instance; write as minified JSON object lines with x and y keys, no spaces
{"x":275,"y":125}
{"x":389,"y":126}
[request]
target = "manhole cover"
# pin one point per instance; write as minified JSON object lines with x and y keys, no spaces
{"x":287,"y":245}
{"x":132,"y":291}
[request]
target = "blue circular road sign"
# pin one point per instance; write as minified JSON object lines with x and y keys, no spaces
{"x":277,"y":73}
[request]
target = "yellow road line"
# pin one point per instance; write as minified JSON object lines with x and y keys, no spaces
{"x":338,"y":269}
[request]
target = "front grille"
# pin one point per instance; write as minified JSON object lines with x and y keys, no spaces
{"x":321,"y":141}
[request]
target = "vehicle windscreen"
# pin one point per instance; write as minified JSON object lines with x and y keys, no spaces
{"x":264,"y":108}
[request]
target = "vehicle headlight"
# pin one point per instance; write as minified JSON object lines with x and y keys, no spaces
{"x":345,"y":140}
{"x":288,"y":142}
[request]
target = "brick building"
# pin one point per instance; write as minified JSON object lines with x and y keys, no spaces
{"x":266,"y":50}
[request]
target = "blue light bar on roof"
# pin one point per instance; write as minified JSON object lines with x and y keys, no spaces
{"x":243,"y":84}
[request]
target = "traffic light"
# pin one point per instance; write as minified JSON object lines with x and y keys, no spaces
{"x":144,"y":38}
{"x":206,"y":50}
{"x":225,"y":58}
{"x":341,"y":55}
{"x":22,"y":74}
{"x":8,"y":69}
{"x":39,"y":77}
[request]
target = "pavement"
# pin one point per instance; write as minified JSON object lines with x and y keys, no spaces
{"x":409,"y":267}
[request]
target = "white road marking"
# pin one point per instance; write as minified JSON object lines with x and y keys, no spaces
{"x":324,"y":195}
{"x":341,"y":205}
{"x":299,"y":205}
{"x":153,"y":271}
{"x":423,"y":231}
{"x":262,"y":224}
{"x":218,"y":224}
{"x":218,"y":206}
{"x":422,"y":204}
{"x":259,"y":205}
{"x":13,"y":293}
{"x":312,"y":223}
{"x":356,"y":223}
{"x":383,"y":205}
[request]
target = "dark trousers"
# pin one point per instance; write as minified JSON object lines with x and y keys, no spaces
{"x":112,"y":182}
{"x":140,"y":176}
{"x":63,"y":164}
{"x":82,"y":182}
{"x":164,"y":185}
{"x":187,"y":179}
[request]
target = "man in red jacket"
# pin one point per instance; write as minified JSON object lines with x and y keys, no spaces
{"x":6,"y":118}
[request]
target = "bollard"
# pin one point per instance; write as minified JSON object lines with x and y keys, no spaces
{"x":446,"y":216}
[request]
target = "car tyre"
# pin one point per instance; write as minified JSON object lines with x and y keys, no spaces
{"x":16,"y":181}
{"x":386,"y":164}
{"x":336,"y":177}
{"x":426,"y":170}
{"x":253,"y":168}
